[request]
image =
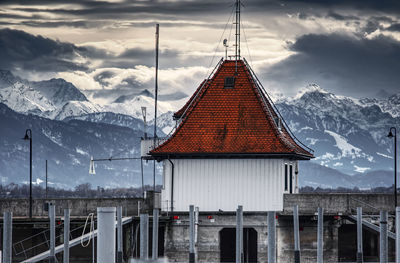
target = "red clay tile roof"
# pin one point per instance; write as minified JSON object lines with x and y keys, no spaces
{"x":229,"y":121}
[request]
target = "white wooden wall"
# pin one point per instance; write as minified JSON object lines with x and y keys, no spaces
{"x":213,"y":184}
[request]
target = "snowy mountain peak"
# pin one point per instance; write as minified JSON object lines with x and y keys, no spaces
{"x":59,"y":91}
{"x":125,"y":98}
{"x":310,"y":88}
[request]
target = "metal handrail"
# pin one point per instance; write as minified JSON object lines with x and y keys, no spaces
{"x":46,"y":242}
{"x":364,"y":203}
{"x":265,"y":93}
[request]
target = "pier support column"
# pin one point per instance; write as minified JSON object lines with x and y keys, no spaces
{"x":191,"y":235}
{"x":66,"y":235}
{"x":119,"y":234}
{"x":383,"y":258}
{"x":155,"y":234}
{"x":7,"y":237}
{"x":271,"y":237}
{"x":52,"y":216}
{"x":359,"y":236}
{"x":144,"y":236}
{"x":239,"y":235}
{"x":296,"y":234}
{"x":106,"y":234}
{"x":320,"y":236}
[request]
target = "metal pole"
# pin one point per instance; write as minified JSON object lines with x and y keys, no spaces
{"x":239,"y":234}
{"x":119,"y":234}
{"x":383,"y":237}
{"x":155,"y":104}
{"x":296,"y":234}
{"x":52,"y":217}
{"x":191,"y":234}
{"x":141,"y":170}
{"x":144,"y":236}
{"x":155,"y":234}
{"x":390,"y":135}
{"x":7,"y":237}
{"x":30,"y":175}
{"x":397,"y":234}
{"x":66,"y":235}
{"x":320,"y":237}
{"x":106,"y":234}
{"x":46,"y":179}
{"x":395,"y":168}
{"x":271,"y":237}
{"x":359,"y":236}
{"x":196,"y":224}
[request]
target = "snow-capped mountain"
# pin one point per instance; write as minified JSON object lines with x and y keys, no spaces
{"x":58,"y":99}
{"x":389,"y":105}
{"x":58,"y":91}
{"x":348,"y":134}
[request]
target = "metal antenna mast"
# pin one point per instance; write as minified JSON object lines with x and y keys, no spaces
{"x":237,"y":34}
{"x":155,"y":105}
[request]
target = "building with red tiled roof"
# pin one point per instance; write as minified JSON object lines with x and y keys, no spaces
{"x":237,"y":120}
{"x":230,"y":147}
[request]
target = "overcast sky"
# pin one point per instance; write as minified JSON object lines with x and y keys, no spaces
{"x":106,"y":48}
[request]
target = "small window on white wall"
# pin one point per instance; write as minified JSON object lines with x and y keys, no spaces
{"x":163,"y":176}
{"x":286,"y":177}
{"x":291,"y":178}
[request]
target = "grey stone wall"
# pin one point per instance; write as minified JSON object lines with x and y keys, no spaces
{"x":78,"y":206}
{"x":338,"y":203}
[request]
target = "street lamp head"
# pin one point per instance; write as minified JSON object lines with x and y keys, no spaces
{"x":28,"y":134}
{"x":390,"y":135}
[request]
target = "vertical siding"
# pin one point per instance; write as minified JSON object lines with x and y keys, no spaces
{"x":257,"y":184}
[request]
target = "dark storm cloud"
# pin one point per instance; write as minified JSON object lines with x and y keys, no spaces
{"x":19,"y":49}
{"x":108,"y":10}
{"x":338,"y":16}
{"x":145,"y":57}
{"x":394,"y":27}
{"x":342,"y":64}
{"x":391,"y":6}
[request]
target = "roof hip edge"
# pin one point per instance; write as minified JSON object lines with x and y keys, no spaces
{"x":261,"y":88}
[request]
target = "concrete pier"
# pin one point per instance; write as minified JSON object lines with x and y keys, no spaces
{"x":216,"y":230}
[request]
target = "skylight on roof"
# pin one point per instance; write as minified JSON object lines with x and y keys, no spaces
{"x":229,"y":82}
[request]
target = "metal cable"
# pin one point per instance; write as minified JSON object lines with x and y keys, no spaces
{"x":219,"y":42}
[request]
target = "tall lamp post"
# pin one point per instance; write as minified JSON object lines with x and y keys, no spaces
{"x":28,"y":136}
{"x":390,"y":135}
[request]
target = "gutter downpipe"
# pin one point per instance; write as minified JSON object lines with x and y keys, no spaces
{"x":172,"y":186}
